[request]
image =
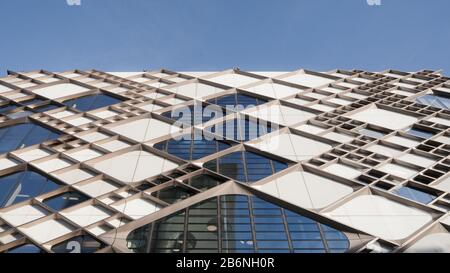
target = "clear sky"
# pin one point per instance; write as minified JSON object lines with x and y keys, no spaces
{"x":132,"y":35}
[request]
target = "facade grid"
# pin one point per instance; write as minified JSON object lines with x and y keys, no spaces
{"x":229,"y":161}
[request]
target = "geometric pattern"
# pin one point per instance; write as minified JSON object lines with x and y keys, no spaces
{"x":301,"y":161}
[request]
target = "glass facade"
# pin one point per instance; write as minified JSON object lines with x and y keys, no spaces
{"x":21,"y":186}
{"x":415,"y":194}
{"x":435,"y":101}
{"x":245,"y":166}
{"x":23,"y":135}
{"x":234,"y":100}
{"x":91,"y":102}
{"x":241,"y":129}
{"x":65,"y":200}
{"x":236,"y":224}
{"x":192,"y":147}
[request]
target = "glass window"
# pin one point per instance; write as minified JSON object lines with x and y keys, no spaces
{"x":23,"y":135}
{"x":245,"y":166}
{"x":173,"y":194}
{"x":233,"y":100}
{"x":241,"y":129}
{"x":65,"y":200}
{"x":420,"y":133}
{"x":192,"y":147}
{"x":435,"y":101}
{"x":197,"y":229}
{"x":416,"y":195}
{"x":204,"y":182}
{"x":91,"y":102}
{"x":27,"y":248}
{"x":21,"y":186}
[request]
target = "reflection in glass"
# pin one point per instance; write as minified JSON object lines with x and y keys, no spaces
{"x":236,"y":224}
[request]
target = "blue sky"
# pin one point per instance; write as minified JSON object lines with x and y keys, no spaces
{"x":132,"y":35}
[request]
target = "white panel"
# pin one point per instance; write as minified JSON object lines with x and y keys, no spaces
{"x":24,"y":214}
{"x":432,"y":243}
{"x":84,"y":155}
{"x":97,"y":188}
{"x":52,"y":164}
{"x":32,"y":154}
{"x":87,"y":215}
{"x":137,"y":208}
{"x":306,"y":190}
{"x":384,"y":118}
{"x":280,"y":114}
{"x":294,"y":147}
{"x":60,"y":90}
{"x":74,"y":176}
{"x":143,"y":130}
{"x":274,"y":90}
{"x":134,"y":166}
{"x":308,"y":80}
{"x":343,"y":170}
{"x":48,"y":230}
{"x":381,"y":217}
{"x":398,"y":170}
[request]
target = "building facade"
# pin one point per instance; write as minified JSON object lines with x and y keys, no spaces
{"x":229,"y":162}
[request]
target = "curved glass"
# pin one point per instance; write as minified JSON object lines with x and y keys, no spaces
{"x":236,"y":224}
{"x":245,"y":166}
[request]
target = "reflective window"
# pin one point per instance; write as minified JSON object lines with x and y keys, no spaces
{"x":21,"y":186}
{"x":23,"y":135}
{"x":415,"y":194}
{"x":233,"y":100}
{"x":91,"y":102}
{"x":420,"y":133}
{"x":245,"y":166}
{"x":236,"y":224}
{"x":65,"y":200}
{"x":79,"y":244}
{"x":192,"y":147}
{"x":371,"y":133}
{"x":27,"y":248}
{"x":435,"y":101}
{"x":7,"y":108}
{"x":204,"y":182}
{"x":174,"y":194}
{"x":45,"y":108}
{"x":241,"y":129}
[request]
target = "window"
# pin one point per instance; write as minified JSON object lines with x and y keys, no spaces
{"x":372,"y":133}
{"x":204,"y":182}
{"x":23,"y":135}
{"x":233,"y":100}
{"x":241,"y":129}
{"x":435,"y":101}
{"x":26,"y":248}
{"x":79,"y":244}
{"x":415,"y":194}
{"x":91,"y":102}
{"x":174,"y":194}
{"x":245,"y":166}
{"x":236,"y":224}
{"x":192,"y":147}
{"x":65,"y":200}
{"x":21,"y":186}
{"x":420,"y":133}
